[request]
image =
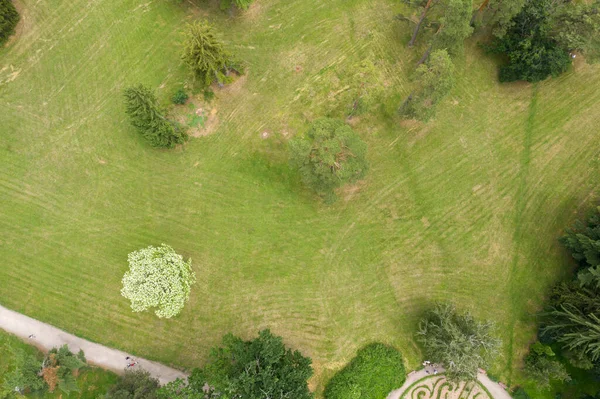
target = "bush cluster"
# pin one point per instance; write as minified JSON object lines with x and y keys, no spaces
{"x":376,"y":370}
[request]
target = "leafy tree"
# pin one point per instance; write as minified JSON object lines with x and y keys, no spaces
{"x":23,"y":374}
{"x":134,"y":384}
{"x":532,"y":53}
{"x":205,"y":54}
{"x":573,"y":320}
{"x":497,"y":14}
{"x":457,"y":341}
{"x":542,"y":366}
{"x":329,"y":155}
{"x":576,"y":26}
{"x":364,"y":88}
{"x":60,"y":367}
{"x":8,"y":20}
{"x":158,"y":278}
{"x":433,"y":81}
{"x":256,"y":369}
{"x":148,"y":118}
{"x":241,"y":4}
{"x":376,"y":370}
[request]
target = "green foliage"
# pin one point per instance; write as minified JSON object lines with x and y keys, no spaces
{"x":532,"y":53}
{"x":576,"y":26}
{"x":22,"y":374}
{"x":364,"y":89}
{"x":137,"y":384}
{"x":457,"y":341}
{"x":498,"y":14}
{"x":432,"y":82}
{"x":59,"y":368}
{"x":148,"y":118}
{"x":574,"y":321}
{"x":520,"y":393}
{"x":241,"y":4}
{"x":8,"y":20}
{"x":455,"y":26}
{"x":180,"y":96}
{"x":205,"y":54}
{"x":376,"y":370}
{"x":256,"y":369}
{"x":158,"y":278}
{"x":542,"y":366}
{"x":583,"y":242}
{"x":329,"y":155}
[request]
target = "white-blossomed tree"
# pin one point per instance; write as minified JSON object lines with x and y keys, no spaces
{"x":158,"y":278}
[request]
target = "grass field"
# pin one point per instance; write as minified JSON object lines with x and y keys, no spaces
{"x":466,"y":208}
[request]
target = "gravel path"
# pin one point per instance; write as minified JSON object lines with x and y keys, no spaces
{"x":46,"y":337}
{"x":496,"y":390}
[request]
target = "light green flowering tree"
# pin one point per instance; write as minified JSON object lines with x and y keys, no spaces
{"x":158,"y":278}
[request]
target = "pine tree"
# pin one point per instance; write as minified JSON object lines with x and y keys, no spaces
{"x":148,"y":118}
{"x":205,"y":54}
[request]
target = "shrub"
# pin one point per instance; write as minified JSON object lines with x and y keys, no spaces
{"x":60,"y":367}
{"x":328,"y":156}
{"x":179,"y":97}
{"x":8,"y":20}
{"x":376,"y":370}
{"x":158,"y":278}
{"x":542,"y":367}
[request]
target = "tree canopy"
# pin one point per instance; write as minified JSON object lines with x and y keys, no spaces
{"x":134,"y":384}
{"x":457,"y":341}
{"x":158,"y":278}
{"x":205,"y":53}
{"x":329,"y":155}
{"x":576,"y":26}
{"x":148,"y":118}
{"x":542,"y":366}
{"x":455,"y":26}
{"x":59,"y":368}
{"x":23,"y":374}
{"x":532,"y":53}
{"x":256,"y":369}
{"x":8,"y":20}
{"x":432,"y":82}
{"x":376,"y":370}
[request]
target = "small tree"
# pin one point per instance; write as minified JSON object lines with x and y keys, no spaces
{"x":433,"y":81}
{"x":457,"y":341}
{"x":148,"y":118}
{"x":497,"y":14}
{"x":136,"y":384}
{"x":455,"y":26}
{"x":205,"y":53}
{"x":8,"y":20}
{"x":329,"y":155}
{"x":541,"y":366}
{"x":158,"y":278}
{"x":60,"y":368}
{"x":256,"y":369}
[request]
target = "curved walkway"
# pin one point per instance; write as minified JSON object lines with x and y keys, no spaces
{"x":46,"y":337}
{"x":494,"y":389}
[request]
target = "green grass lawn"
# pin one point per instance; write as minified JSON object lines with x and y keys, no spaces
{"x":465,"y":208}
